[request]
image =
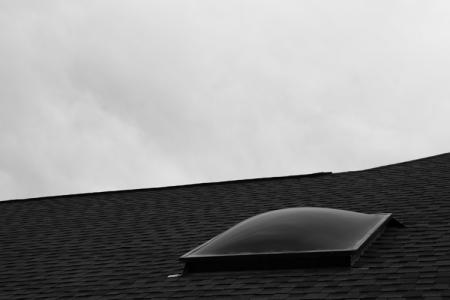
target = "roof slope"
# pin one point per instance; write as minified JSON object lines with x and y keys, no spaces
{"x":124,"y":244}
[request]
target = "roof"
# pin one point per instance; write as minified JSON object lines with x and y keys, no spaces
{"x":124,"y":244}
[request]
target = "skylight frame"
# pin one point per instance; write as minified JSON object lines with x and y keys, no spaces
{"x":284,"y":259}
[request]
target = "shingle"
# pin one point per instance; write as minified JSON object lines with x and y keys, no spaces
{"x":124,"y":244}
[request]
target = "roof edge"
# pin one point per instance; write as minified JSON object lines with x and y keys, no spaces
{"x":401,"y":163}
{"x":217,"y":182}
{"x":317,"y":174}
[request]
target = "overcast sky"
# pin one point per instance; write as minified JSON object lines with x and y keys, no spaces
{"x":106,"y":95}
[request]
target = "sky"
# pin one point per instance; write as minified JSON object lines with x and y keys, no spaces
{"x":109,"y":95}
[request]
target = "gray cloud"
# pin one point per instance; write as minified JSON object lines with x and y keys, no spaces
{"x":101,"y":95}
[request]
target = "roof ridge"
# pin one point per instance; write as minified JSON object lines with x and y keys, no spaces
{"x":404,"y":162}
{"x":168,"y":187}
{"x":217,"y":182}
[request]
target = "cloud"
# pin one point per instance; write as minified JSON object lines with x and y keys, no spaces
{"x":111,"y":95}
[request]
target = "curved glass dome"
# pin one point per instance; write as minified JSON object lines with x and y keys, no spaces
{"x":293,"y":230}
{"x":300,"y":230}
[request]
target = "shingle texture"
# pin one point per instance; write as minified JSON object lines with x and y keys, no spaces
{"x":123,"y":245}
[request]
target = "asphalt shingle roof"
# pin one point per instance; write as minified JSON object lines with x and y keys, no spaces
{"x":123,"y":245}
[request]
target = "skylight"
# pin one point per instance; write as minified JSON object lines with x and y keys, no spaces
{"x":291,"y":237}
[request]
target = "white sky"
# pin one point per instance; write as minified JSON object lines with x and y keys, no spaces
{"x":105,"y":95}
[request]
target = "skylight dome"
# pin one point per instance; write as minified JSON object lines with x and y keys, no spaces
{"x":291,"y":237}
